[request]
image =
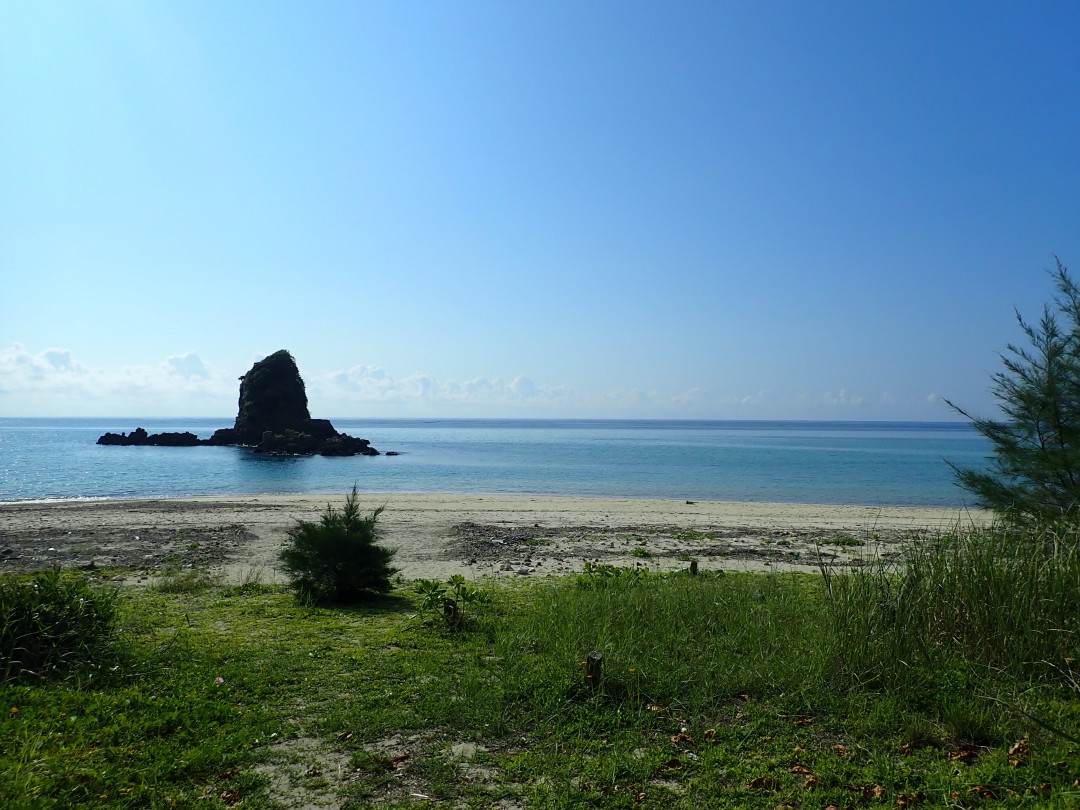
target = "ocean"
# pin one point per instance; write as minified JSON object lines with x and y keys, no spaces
{"x":866,"y":463}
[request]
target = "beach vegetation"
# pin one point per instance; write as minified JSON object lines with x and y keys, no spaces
{"x":597,"y":576}
{"x":946,"y":680}
{"x":338,"y":560}
{"x":1035,"y":468}
{"x":54,"y":624}
{"x":452,"y":602}
{"x":693,"y":534}
{"x":843,"y":541}
{"x":177,"y":578}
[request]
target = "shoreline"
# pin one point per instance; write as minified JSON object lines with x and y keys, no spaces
{"x":340,"y":495}
{"x":476,"y":535}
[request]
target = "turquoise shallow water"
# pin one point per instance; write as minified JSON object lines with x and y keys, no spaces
{"x":873,"y":463}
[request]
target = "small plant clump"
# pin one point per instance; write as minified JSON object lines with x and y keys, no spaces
{"x":844,"y":541}
{"x":337,"y":561}
{"x":598,"y":576}
{"x":51,"y":624}
{"x":173,"y":578}
{"x":453,"y":600}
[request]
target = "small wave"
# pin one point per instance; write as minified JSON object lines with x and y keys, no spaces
{"x":74,"y":499}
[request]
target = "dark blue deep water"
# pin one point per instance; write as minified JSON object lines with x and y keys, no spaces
{"x":872,"y":463}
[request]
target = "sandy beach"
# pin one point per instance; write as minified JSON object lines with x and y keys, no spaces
{"x":474,"y":535}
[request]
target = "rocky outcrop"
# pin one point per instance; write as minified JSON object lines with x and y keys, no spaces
{"x":272,"y":417}
{"x":273,"y":397}
{"x":139,"y":437}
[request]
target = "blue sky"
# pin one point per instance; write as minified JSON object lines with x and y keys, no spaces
{"x":751,"y":210}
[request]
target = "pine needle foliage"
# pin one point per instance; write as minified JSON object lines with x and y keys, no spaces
{"x":337,"y":561}
{"x":1035,"y":468}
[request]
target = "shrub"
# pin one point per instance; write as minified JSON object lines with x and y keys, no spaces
{"x":52,"y":624}
{"x":337,"y":561}
{"x":1035,"y":469}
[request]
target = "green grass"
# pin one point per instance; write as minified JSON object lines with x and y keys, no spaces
{"x":888,"y":686}
{"x":173,"y":578}
{"x":843,"y":541}
{"x":54,"y":624}
{"x":692,"y":534}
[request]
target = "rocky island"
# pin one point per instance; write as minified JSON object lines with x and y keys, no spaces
{"x":273,"y":418}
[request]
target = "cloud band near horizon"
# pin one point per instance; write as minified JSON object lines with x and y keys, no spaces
{"x":54,"y":382}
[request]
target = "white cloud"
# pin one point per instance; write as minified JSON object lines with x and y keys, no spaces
{"x":691,"y":397}
{"x":523,"y":387}
{"x":53,"y":381}
{"x":372,"y":385}
{"x":841,"y":398}
{"x":52,"y":368}
{"x":189,"y":366}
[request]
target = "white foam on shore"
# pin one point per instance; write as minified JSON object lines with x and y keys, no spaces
{"x":46,"y":501}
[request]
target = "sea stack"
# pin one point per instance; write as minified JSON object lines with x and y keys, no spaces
{"x":273,"y":417}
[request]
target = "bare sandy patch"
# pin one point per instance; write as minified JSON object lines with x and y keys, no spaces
{"x":438,"y":535}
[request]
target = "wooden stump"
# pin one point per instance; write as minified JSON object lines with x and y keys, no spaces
{"x":693,"y":568}
{"x":451,"y":612}
{"x":593,"y":663}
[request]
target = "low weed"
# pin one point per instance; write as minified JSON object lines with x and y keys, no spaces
{"x":173,"y":578}
{"x":681,"y":641}
{"x":454,"y":600}
{"x":52,"y":624}
{"x":843,"y":541}
{"x":250,"y":582}
{"x":598,"y":576}
{"x":693,"y":534}
{"x":997,"y":598}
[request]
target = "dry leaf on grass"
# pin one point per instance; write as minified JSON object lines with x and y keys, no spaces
{"x":964,"y":755}
{"x":1018,"y":752}
{"x":762,"y":783}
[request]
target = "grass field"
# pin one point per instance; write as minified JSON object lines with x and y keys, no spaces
{"x":947,"y":680}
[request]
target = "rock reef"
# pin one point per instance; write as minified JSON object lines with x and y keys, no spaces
{"x":273,"y":417}
{"x":139,"y":438}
